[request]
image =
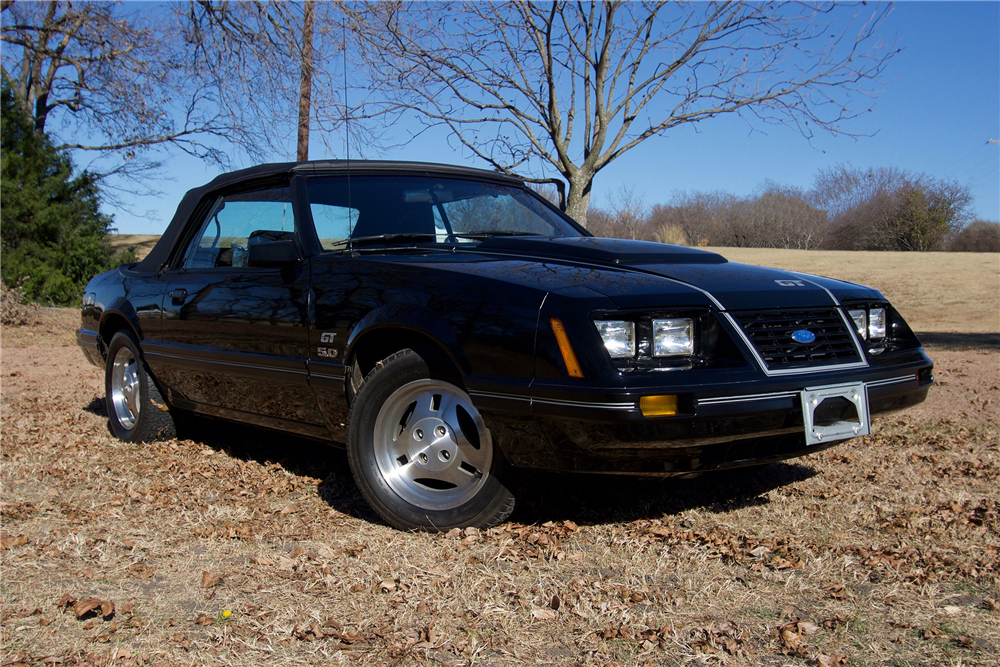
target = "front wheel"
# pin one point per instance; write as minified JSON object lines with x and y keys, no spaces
{"x":136,"y":411}
{"x":421,"y":453}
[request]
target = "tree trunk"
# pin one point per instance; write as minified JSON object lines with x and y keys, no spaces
{"x":578,"y":199}
{"x":305,"y":82}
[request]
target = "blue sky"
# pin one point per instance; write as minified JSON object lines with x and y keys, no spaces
{"x":939,"y":108}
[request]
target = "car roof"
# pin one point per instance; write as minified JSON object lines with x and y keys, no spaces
{"x":315,"y":167}
{"x":158,"y":255}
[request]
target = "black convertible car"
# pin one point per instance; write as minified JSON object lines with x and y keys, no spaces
{"x":450,"y":326}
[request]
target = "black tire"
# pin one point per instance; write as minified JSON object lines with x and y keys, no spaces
{"x":420,"y":452}
{"x":136,"y":410}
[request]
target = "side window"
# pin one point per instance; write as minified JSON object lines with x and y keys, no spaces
{"x":236,"y":222}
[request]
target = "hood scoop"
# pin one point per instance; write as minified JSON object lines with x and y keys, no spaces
{"x":589,"y":248}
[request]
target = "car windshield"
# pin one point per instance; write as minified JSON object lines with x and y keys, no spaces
{"x":388,"y":210}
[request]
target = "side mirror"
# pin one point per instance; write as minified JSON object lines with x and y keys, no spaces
{"x":273,"y":253}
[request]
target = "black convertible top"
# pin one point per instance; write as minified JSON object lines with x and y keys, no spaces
{"x":158,"y":255}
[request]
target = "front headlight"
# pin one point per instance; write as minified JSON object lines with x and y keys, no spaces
{"x":619,"y":337}
{"x":876,"y":324}
{"x":673,"y":338}
{"x":860,"y":318}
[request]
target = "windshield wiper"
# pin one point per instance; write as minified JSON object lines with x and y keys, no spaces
{"x":390,"y":238}
{"x":489,"y":234}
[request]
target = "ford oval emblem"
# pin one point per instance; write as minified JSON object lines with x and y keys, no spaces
{"x":803,"y":336}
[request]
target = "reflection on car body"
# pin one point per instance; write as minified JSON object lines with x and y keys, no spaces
{"x":450,"y":327}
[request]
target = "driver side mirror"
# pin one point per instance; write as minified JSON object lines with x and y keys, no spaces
{"x":273,"y":253}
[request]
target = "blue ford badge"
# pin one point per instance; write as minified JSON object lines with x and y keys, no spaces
{"x":803,"y":336}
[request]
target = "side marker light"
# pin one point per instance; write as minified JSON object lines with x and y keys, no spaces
{"x":569,"y":357}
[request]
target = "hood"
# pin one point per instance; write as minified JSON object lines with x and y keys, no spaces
{"x":602,"y":250}
{"x":733,"y":286}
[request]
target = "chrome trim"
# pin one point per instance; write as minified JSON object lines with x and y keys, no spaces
{"x":553,"y":401}
{"x":583,"y":404}
{"x":747,"y":398}
{"x":233,"y":364}
{"x":900,"y":380}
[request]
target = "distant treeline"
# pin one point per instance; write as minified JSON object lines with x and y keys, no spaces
{"x":847,"y":209}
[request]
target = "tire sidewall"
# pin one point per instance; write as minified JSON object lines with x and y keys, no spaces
{"x":134,"y":434}
{"x":387,"y":377}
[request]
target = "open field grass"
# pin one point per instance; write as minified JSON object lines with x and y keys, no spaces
{"x":882,"y":551}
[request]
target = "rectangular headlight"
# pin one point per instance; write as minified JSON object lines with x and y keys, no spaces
{"x":876,"y":324}
{"x":619,"y":337}
{"x":860,"y":318}
{"x":673,"y":338}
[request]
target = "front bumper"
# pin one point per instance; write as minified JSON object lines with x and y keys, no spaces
{"x":718,"y":426}
{"x":89,"y":342}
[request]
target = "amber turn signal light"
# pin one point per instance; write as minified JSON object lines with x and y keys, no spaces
{"x":658,"y":406}
{"x":569,"y":357}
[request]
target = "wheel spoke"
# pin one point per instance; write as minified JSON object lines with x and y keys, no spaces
{"x":423,"y":409}
{"x":455,"y":475}
{"x":404,"y":474}
{"x":472,"y":457}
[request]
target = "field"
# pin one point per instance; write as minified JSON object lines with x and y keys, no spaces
{"x":230,"y":546}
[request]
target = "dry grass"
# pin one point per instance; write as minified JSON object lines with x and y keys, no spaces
{"x":883,"y":551}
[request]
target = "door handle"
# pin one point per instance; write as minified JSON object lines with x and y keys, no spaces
{"x":179,"y":294}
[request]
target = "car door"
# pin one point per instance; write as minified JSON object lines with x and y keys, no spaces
{"x":235,"y":337}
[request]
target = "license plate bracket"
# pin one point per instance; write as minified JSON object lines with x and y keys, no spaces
{"x":812,"y":398}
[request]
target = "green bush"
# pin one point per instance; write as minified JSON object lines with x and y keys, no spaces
{"x":53,"y":237}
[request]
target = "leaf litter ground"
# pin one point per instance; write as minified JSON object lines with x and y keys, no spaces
{"x":235,"y":546}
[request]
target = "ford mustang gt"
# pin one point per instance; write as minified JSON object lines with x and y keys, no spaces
{"x":449,"y":327}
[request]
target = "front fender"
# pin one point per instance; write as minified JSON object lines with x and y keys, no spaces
{"x":117,"y":310}
{"x":417,"y":319}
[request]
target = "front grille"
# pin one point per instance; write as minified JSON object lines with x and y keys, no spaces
{"x":770,"y":331}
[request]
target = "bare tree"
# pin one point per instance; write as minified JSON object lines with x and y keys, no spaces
{"x":571,"y":87}
{"x":108,"y":79}
{"x":305,"y":80}
{"x":887,"y":208}
{"x":782,"y":217}
{"x":277,"y":70}
{"x":703,"y":216}
{"x":978,"y":236}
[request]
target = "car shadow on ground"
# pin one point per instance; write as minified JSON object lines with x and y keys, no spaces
{"x":542,"y":496}
{"x":599,"y":499}
{"x":960,"y":341}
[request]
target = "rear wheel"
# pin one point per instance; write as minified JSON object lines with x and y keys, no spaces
{"x":421,"y":453}
{"x":136,"y":411}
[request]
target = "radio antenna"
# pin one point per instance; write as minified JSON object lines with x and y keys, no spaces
{"x":347,"y":130}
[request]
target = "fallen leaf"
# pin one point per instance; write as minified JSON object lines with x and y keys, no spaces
{"x":204,"y":619}
{"x":808,"y":629}
{"x":93,"y":605}
{"x":544,"y":614}
{"x":8,"y":542}
{"x":209,"y":580}
{"x":825,"y":660}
